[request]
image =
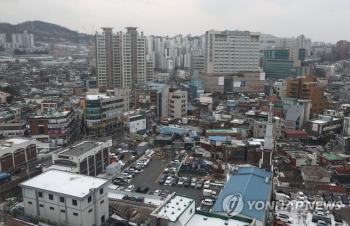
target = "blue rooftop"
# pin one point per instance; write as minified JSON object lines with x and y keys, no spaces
{"x":191,"y":107}
{"x":218,"y":138}
{"x":156,"y":85}
{"x":250,"y":183}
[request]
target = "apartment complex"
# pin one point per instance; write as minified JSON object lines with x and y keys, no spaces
{"x":103,"y":112}
{"x":228,"y":53}
{"x":121,"y":58}
{"x":68,"y":198}
{"x":177,"y":103}
{"x":25,"y":40}
{"x":343,"y":49}
{"x":281,"y":62}
{"x":306,"y":88}
{"x":197,"y":62}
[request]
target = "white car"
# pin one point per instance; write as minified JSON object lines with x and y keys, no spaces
{"x":284,"y":218}
{"x":300,"y":196}
{"x":181,"y":181}
{"x":39,"y":166}
{"x":206,"y":184}
{"x":157,"y":192}
{"x":168,"y":181}
{"x":129,"y":188}
{"x":207,"y":202}
{"x":133,"y":157}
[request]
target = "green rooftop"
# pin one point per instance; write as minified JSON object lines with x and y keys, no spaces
{"x":221,"y":130}
{"x":332,"y":156}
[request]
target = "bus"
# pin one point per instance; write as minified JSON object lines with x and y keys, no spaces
{"x":4,"y":178}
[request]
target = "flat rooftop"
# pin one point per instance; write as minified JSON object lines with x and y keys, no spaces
{"x":4,"y":144}
{"x":61,"y":182}
{"x":80,"y":148}
{"x":175,"y":207}
{"x":233,"y":130}
{"x":331,"y":156}
{"x":214,"y":219}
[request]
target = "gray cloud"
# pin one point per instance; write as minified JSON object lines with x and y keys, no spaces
{"x":321,"y":20}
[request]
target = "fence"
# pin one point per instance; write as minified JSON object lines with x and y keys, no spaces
{"x":36,"y":219}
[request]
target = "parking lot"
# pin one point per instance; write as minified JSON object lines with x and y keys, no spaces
{"x":149,"y":178}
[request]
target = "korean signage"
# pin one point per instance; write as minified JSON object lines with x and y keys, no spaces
{"x":221,"y":81}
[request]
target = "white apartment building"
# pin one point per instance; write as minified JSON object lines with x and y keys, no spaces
{"x":231,"y":51}
{"x":66,"y":197}
{"x":2,"y":38}
{"x":177,"y":104}
{"x":260,"y":126}
{"x":23,"y":40}
{"x":121,"y":58}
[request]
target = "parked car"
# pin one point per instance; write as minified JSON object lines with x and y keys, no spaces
{"x":315,"y":218}
{"x":193,"y":182}
{"x":174,"y":181}
{"x":322,"y":223}
{"x":162,"y":179}
{"x":284,"y":192}
{"x":335,"y":197}
{"x":326,"y":197}
{"x":311,"y":198}
{"x":280,"y":223}
{"x":207,"y":202}
{"x":14,"y":171}
{"x":206,"y":184}
{"x":168,"y":181}
{"x":39,"y":166}
{"x":300,"y":196}
{"x":133,"y":157}
{"x":187,"y":182}
{"x":284,"y":218}
{"x":337,"y":217}
{"x":199,"y":184}
{"x":164,"y":194}
{"x":121,"y":156}
{"x":131,"y":172}
{"x":144,"y":190}
{"x":129,"y":188}
{"x":344,"y":199}
{"x":181,"y":181}
{"x":157,"y":192}
{"x":320,"y":209}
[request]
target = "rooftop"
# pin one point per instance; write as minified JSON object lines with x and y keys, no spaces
{"x":97,"y":96}
{"x":80,"y":148}
{"x":210,"y":219}
{"x":294,"y":131}
{"x":61,"y":182}
{"x":314,"y":171}
{"x":175,"y":207}
{"x":299,"y":154}
{"x":245,"y":182}
{"x":4,"y":144}
{"x":332,"y":156}
{"x":233,"y":130}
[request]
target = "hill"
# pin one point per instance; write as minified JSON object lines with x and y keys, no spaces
{"x":43,"y":31}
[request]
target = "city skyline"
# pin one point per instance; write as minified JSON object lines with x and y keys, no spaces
{"x":315,"y":19}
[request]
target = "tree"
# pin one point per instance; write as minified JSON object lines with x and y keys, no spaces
{"x":9,"y":99}
{"x":319,"y":72}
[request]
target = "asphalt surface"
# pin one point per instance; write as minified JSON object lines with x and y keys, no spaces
{"x":149,"y":178}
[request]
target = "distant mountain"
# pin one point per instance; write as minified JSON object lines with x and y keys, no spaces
{"x":44,"y":31}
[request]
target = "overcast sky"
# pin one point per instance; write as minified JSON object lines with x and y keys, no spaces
{"x":320,"y":20}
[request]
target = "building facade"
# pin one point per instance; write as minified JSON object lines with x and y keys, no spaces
{"x":50,"y":195}
{"x":135,"y":121}
{"x":25,"y":40}
{"x":306,"y":88}
{"x":177,"y":104}
{"x":103,"y":112}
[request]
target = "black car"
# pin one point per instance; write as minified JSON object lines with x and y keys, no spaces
{"x":344,"y":199}
{"x":132,"y":173}
{"x":311,"y":198}
{"x":284,"y":192}
{"x":118,"y":182}
{"x":174,"y":181}
{"x":335,"y":197}
{"x":162,"y":179}
{"x":15,"y":171}
{"x":121,"y":156}
{"x":144,"y":190}
{"x":337,"y":217}
{"x":187,"y":182}
{"x":316,"y":218}
{"x":138,"y":189}
{"x":326,"y":197}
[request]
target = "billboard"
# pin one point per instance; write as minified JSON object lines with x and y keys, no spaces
{"x":221,"y":81}
{"x":262,"y":76}
{"x":237,"y":84}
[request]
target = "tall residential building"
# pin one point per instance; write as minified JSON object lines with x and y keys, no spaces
{"x":23,"y":40}
{"x":306,"y":88}
{"x":2,"y":38}
{"x":281,"y":62}
{"x":120,"y":58}
{"x":177,"y":103}
{"x":343,"y":49}
{"x":197,"y":62}
{"x":228,"y":53}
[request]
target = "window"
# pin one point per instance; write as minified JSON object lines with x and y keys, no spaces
{"x":63,"y":211}
{"x":89,"y":199}
{"x":41,"y":205}
{"x":30,"y":203}
{"x":101,"y":191}
{"x":61,"y":199}
{"x":190,"y":211}
{"x":75,"y":214}
{"x":90,"y":210}
{"x":51,"y":208}
{"x":103,"y":219}
{"x":102,"y":201}
{"x":40,"y":194}
{"x":50,"y":197}
{"x":74,"y":202}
